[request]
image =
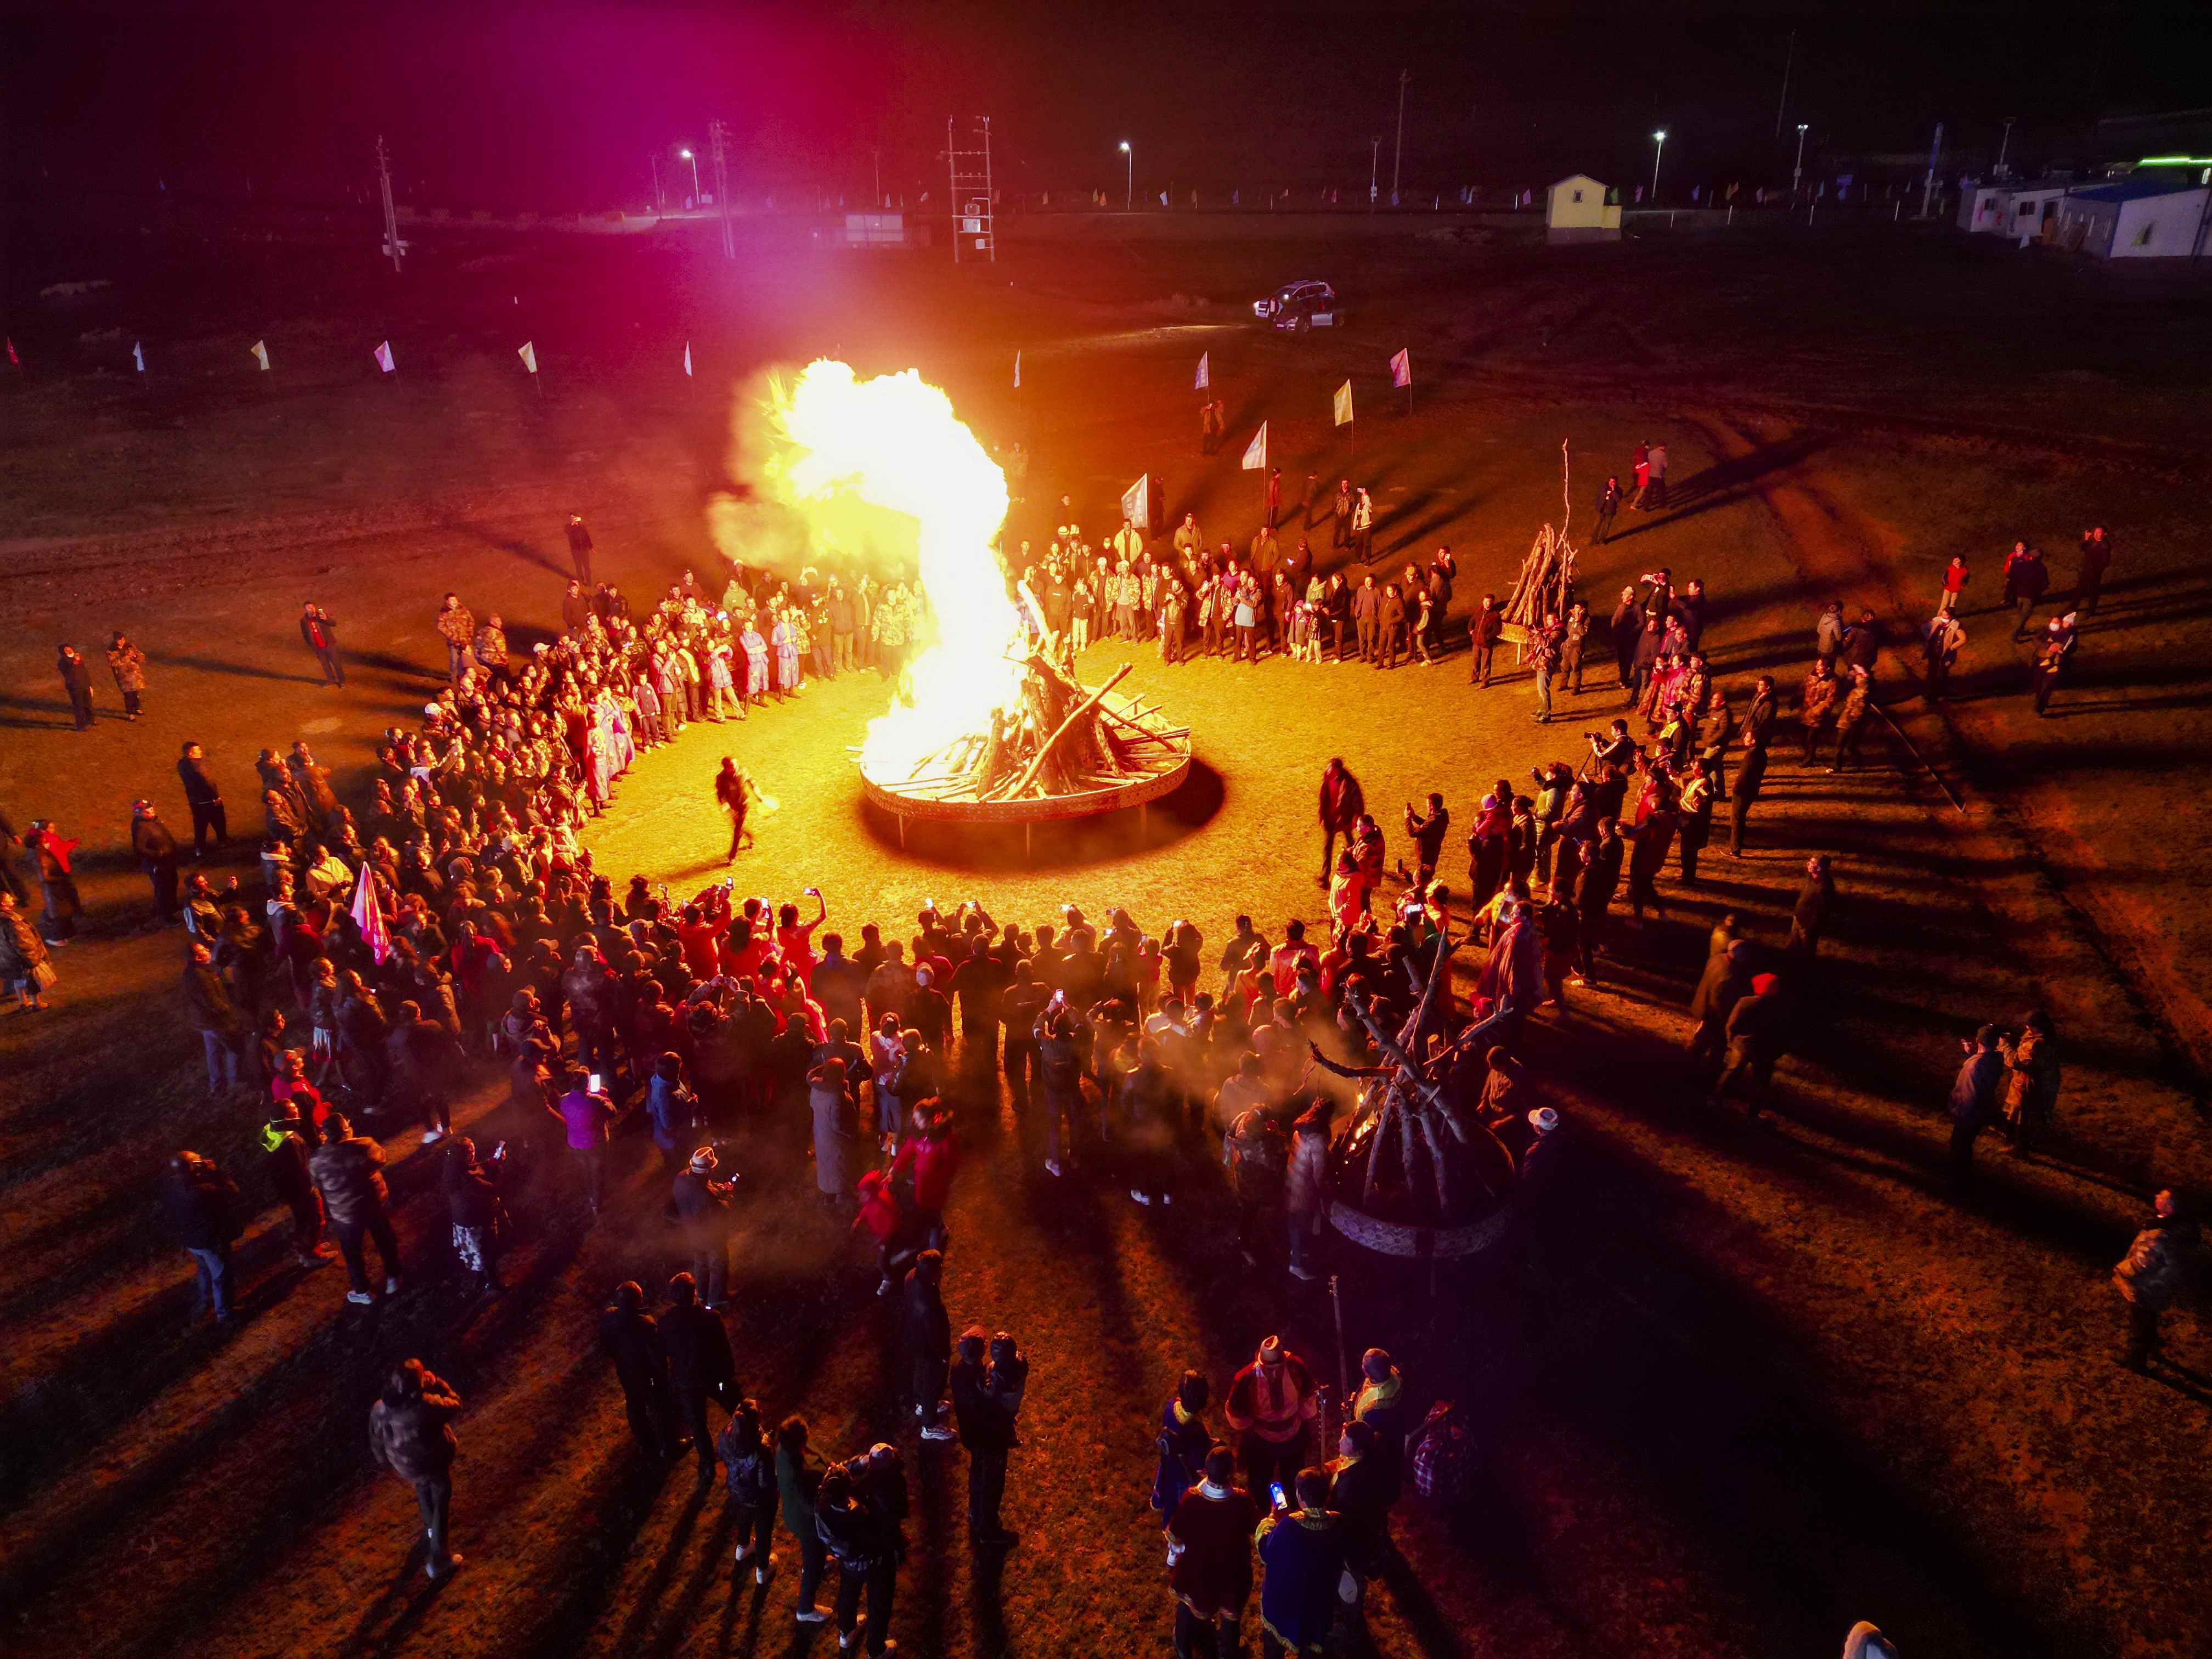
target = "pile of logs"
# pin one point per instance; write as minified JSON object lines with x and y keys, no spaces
{"x":1063,"y":738}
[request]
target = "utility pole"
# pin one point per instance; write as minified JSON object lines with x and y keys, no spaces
{"x":2004,"y":145}
{"x":717,"y":135}
{"x":393,"y":248}
{"x":1373,"y":155}
{"x":659,"y":202}
{"x":876,"y":157}
{"x":1788,"y":58}
{"x":1397,"y":152}
{"x":1934,"y":158}
{"x":1797,"y":173}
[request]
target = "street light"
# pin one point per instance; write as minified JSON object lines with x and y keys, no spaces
{"x":1798,"y":172}
{"x":687,"y":155}
{"x":1129,"y":192}
{"x":1661,"y":136}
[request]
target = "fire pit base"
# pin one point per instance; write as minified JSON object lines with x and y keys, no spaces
{"x":1165,"y":774}
{"x":1417,"y":1243}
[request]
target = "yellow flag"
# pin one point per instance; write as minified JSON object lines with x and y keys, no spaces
{"x":1343,"y":404}
{"x":528,"y":352}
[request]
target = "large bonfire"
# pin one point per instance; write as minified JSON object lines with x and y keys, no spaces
{"x":988,"y":708}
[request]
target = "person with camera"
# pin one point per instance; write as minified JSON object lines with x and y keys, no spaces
{"x":1303,"y":1552}
{"x":701,"y":1208}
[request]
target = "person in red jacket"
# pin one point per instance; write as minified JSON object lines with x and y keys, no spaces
{"x":1272,"y":1405}
{"x":931,"y":1157}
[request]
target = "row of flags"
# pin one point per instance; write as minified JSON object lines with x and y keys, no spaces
{"x":385,"y":361}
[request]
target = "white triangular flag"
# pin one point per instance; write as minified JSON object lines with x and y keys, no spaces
{"x":138,"y":356}
{"x":528,"y":352}
{"x":687,"y":356}
{"x":1256,"y":452}
{"x":384,"y":357}
{"x":260,"y":354}
{"x":1204,"y":374}
{"x":1343,"y":404}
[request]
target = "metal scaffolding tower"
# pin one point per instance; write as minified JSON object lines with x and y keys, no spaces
{"x":969,"y":156}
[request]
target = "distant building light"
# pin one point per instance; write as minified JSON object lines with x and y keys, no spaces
{"x":2175,"y":161}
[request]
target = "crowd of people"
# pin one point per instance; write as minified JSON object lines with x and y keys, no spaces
{"x":456,"y":924}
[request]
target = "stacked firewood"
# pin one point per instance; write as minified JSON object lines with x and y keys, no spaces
{"x":1060,"y":737}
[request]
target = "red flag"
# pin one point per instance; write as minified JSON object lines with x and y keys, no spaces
{"x":14,"y":361}
{"x":369,"y":917}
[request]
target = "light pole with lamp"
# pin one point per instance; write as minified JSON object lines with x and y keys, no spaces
{"x":687,"y":155}
{"x":1797,"y":173}
{"x":1660,"y":137}
{"x":1129,"y":186}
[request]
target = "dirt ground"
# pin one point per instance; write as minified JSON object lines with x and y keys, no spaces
{"x":1782,"y":1380}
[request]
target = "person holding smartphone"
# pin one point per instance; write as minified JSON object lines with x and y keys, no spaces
{"x":589,"y":1117}
{"x":1302,"y":1550}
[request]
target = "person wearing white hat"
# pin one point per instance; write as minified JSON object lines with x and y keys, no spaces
{"x":702,"y":1212}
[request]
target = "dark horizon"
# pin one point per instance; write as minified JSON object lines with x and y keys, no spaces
{"x":559,"y":111}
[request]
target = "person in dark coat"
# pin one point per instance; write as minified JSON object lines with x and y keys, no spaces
{"x":701,"y":1367}
{"x":1210,"y":1558}
{"x":156,"y":850}
{"x":473,"y":1209}
{"x":2154,"y":1272}
{"x":1342,"y":801}
{"x":1359,"y":1491}
{"x":76,"y":683}
{"x":201,"y":1205}
{"x":2096,"y":559}
{"x":424,"y":1061}
{"x":1182,"y":1442}
{"x":1750,"y":779}
{"x":1973,"y":1104}
{"x":1808,"y":917}
{"x":858,"y":1509}
{"x":1303,"y":1552}
{"x":1726,"y":982}
{"x":1384,"y":1406}
{"x":204,"y":797}
{"x":925,"y":1341}
{"x":1600,"y":880}
{"x":798,"y":1474}
{"x":215,"y":1015}
{"x":748,"y":1467}
{"x":985,"y":1397}
{"x":411,"y":1433}
{"x":284,"y":1147}
{"x":702,"y":1212}
{"x":349,"y":1172}
{"x":319,"y":630}
{"x":1754,"y":1042}
{"x":579,"y":547}
{"x":632,"y":1340}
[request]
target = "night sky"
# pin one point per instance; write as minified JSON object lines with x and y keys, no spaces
{"x":557,"y":107}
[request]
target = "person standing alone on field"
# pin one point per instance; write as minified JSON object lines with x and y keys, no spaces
{"x":321,"y":634}
{"x":1608,"y":507}
{"x":76,"y":683}
{"x":579,"y":548}
{"x":411,"y":1433}
{"x":2153,"y":1274}
{"x":2096,"y":558}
